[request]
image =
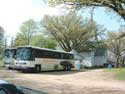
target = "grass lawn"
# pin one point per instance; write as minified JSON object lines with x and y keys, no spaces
{"x":1,"y":63}
{"x":119,"y":73}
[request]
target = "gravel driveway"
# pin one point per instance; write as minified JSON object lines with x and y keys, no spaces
{"x":70,"y":82}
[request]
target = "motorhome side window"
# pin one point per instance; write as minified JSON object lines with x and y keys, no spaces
{"x":46,"y":54}
{"x":71,"y":56}
{"x":65,"y":56}
{"x":56,"y":55}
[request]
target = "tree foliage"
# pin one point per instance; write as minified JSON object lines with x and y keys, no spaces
{"x":1,"y":35}
{"x":1,"y":40}
{"x":37,"y":40}
{"x":27,"y":30}
{"x":19,"y":40}
{"x":70,"y":31}
{"x":116,"y":44}
{"x":43,"y":42}
{"x":30,"y":35}
{"x":116,"y":5}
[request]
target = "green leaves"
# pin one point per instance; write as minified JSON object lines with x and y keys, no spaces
{"x":1,"y":40}
{"x":27,"y":29}
{"x":44,"y":42}
{"x":31,"y":34}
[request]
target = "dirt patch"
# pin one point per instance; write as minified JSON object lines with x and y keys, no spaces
{"x":71,"y":82}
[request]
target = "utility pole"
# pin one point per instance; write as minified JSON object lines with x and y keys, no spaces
{"x":92,"y":23}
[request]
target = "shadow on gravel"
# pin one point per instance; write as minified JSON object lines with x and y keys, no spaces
{"x":52,"y":72}
{"x":58,"y":72}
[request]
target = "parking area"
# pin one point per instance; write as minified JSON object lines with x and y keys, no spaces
{"x":96,"y":81}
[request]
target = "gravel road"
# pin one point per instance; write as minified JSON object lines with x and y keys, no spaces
{"x":96,"y":81}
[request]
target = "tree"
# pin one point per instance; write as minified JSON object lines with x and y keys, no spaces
{"x":12,"y":42}
{"x":30,"y":35}
{"x":1,"y":36}
{"x":27,"y":30}
{"x":117,"y":6}
{"x":122,"y":33}
{"x":1,"y":40}
{"x":19,"y":40}
{"x":70,"y":31}
{"x":37,"y":40}
{"x":44,"y":42}
{"x":116,"y":45}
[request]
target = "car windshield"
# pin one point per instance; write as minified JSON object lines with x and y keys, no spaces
{"x":30,"y":91}
{"x":12,"y":88}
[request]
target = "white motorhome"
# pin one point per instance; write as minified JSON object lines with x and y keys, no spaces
{"x":9,"y":57}
{"x":40,"y":59}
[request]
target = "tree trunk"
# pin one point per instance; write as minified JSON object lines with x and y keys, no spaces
{"x":123,"y":15}
{"x":123,"y":62}
{"x":117,"y":62}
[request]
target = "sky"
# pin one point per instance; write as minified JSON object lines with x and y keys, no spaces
{"x":103,"y":16}
{"x":15,"y":12}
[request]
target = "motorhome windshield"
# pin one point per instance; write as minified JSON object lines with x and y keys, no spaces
{"x":7,"y":53}
{"x":23,"y":54}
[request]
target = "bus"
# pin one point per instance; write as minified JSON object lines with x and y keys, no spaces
{"x":30,"y":58}
{"x":9,"y":57}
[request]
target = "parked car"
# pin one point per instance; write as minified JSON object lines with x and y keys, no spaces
{"x":8,"y":88}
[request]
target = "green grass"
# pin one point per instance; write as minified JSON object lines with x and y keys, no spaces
{"x":1,"y":63}
{"x":119,"y":73}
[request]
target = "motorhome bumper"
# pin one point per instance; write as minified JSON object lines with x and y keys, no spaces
{"x":20,"y":68}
